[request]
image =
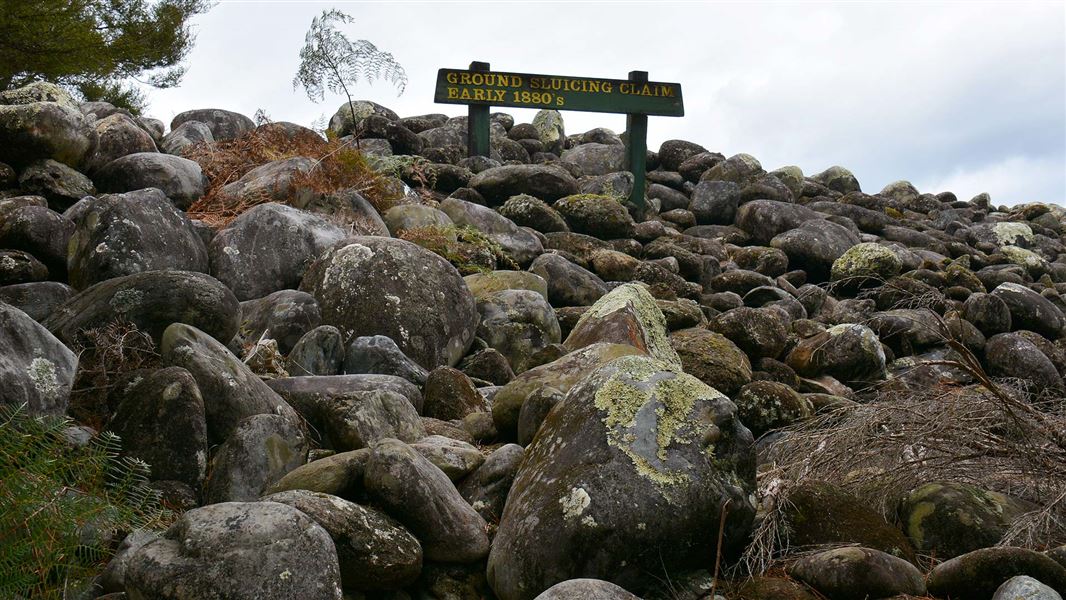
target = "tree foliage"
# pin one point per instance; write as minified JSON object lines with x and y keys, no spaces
{"x":95,"y":46}
{"x":330,"y":61}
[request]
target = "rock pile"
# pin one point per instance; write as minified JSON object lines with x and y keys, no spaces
{"x":347,"y":415}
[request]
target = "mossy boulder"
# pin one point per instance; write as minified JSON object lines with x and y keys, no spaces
{"x":527,"y":211}
{"x":712,"y":358}
{"x":628,"y":314}
{"x":850,"y":352}
{"x":518,"y":323}
{"x":838,"y":179}
{"x":946,"y":519}
{"x":774,"y":588}
{"x":766,"y":405}
{"x":627,"y":474}
{"x":484,"y":284}
{"x":36,"y":369}
{"x":1029,"y":310}
{"x":979,"y":573}
{"x":152,"y":301}
{"x":44,"y":130}
{"x":259,"y":451}
{"x":866,"y":264}
{"x":758,"y":332}
{"x":561,"y":374}
{"x":551,"y":130}
{"x":819,"y":513}
{"x":857,"y":573}
{"x":596,"y":215}
{"x":547,"y":182}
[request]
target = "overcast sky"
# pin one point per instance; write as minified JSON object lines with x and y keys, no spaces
{"x":962,"y":96}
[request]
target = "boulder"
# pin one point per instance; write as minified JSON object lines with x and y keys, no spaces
{"x":551,"y":130}
{"x":41,"y":232}
{"x":122,"y":234}
{"x":597,"y":215}
{"x":979,"y":574}
{"x":378,"y":354}
{"x":628,"y":314}
{"x":284,"y":316}
{"x":225,"y":125}
{"x":767,"y":405}
{"x":815,"y":246}
{"x":948,"y":519}
{"x":36,"y":369}
{"x":527,"y":211}
{"x":1012,"y":355}
{"x":855,"y":573}
{"x":485,"y":284}
{"x":521,"y":245}
{"x":628,"y":474}
{"x":596,"y":159}
{"x":758,"y":332}
{"x":715,"y":202}
{"x":160,"y":420}
{"x":358,"y":419}
{"x":151,"y":301}
{"x":674,"y":152}
{"x":765,"y":219}
{"x":568,"y":284}
{"x":311,"y":396}
{"x":1029,"y":310}
{"x":486,"y":488}
{"x":517,"y":323}
{"x":866,"y":264}
{"x":450,"y":395}
{"x":712,"y":358}
{"x":549,"y":183}
{"x":186,"y":136}
{"x":1023,"y":587}
{"x":32,"y":131}
{"x":455,"y":458}
{"x":405,"y":285}
{"x":838,"y":179}
{"x":850,"y":352}
{"x":231,"y":392}
{"x":117,"y":135}
{"x":180,"y":179}
{"x":422,"y":497}
{"x":260,"y":450}
{"x":276,"y":181}
{"x":585,"y":589}
{"x":60,"y":184}
{"x":318,"y":352}
{"x":37,"y":299}
{"x":561,"y":375}
{"x":374,"y":551}
{"x":238,"y":550}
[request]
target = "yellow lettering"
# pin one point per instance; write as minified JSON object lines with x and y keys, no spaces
{"x":452,"y":78}
{"x":479,"y":94}
{"x":668,"y":91}
{"x":516,"y":81}
{"x":534,"y":84}
{"x":499,"y":95}
{"x":477,"y":79}
{"x":594,"y":86}
{"x":453,"y":93}
{"x":608,"y":87}
{"x":464,"y":94}
{"x":625,"y":88}
{"x":646,"y":91}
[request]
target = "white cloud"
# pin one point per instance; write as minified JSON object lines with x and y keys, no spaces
{"x":1016,"y":180}
{"x":891,"y":90}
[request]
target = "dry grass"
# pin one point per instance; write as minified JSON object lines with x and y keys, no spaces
{"x":105,"y":355}
{"x":339,"y":166}
{"x":997,"y":435}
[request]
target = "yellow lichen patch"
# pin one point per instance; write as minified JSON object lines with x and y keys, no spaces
{"x":652,"y":321}
{"x":639,"y":384}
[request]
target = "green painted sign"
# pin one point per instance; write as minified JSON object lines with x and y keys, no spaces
{"x":591,"y":94}
{"x":636,"y":97}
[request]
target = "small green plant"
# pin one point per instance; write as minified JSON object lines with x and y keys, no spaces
{"x":330,"y":61}
{"x":63,"y":504}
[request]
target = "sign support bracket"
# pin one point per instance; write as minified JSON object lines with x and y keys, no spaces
{"x":477,"y":126}
{"x":637,"y":147}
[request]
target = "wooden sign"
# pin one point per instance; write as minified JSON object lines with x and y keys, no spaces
{"x":481,"y":88}
{"x":592,"y":94}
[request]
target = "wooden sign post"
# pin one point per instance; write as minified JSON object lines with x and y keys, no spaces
{"x":481,"y":88}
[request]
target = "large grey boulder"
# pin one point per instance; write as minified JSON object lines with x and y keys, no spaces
{"x":375,"y":551}
{"x":568,"y":284}
{"x":160,"y":419}
{"x":1029,"y":310}
{"x":311,"y":396}
{"x":549,"y":183}
{"x":358,"y":419}
{"x":627,"y":475}
{"x":764,"y":219}
{"x":422,"y":497}
{"x":380,"y":354}
{"x":857,"y":572}
{"x":123,"y":234}
{"x":814,"y":246}
{"x":36,"y":130}
{"x":151,"y":301}
{"x":239,"y":551}
{"x":180,"y":179}
{"x":284,"y":316}
{"x":231,"y":392}
{"x":185,"y":136}
{"x":224,"y":124}
{"x":517,"y":323}
{"x":586,"y":589}
{"x":275,"y":181}
{"x":36,"y":369}
{"x":59,"y":183}
{"x":117,"y":135}
{"x":260,"y":450}
{"x":268,"y":248}
{"x":385,"y":286}
{"x":486,"y":488}
{"x":42,"y":232}
{"x":596,"y":159}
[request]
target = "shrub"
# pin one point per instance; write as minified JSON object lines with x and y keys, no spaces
{"x":64,"y":505}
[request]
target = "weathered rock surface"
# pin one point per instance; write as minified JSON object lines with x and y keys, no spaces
{"x":407,"y":285}
{"x":628,"y":473}
{"x":36,"y":369}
